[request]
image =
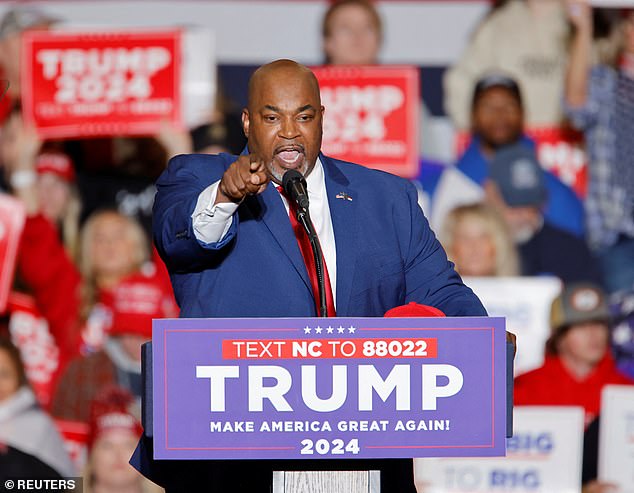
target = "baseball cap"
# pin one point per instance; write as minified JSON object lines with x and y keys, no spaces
{"x":111,"y":410}
{"x":413,"y":309}
{"x":57,"y":163}
{"x":496,"y":79}
{"x":135,"y":302}
{"x":578,"y":303}
{"x":18,"y":19}
{"x":518,"y":175}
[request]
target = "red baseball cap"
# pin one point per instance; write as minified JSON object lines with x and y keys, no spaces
{"x":57,"y":163}
{"x":135,"y":302}
{"x":413,"y":309}
{"x":111,"y":410}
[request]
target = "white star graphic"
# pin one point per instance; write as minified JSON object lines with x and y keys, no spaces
{"x":330,"y":329}
{"x":318,"y":330}
{"x":351,"y":329}
{"x":307,"y":330}
{"x":340,"y":329}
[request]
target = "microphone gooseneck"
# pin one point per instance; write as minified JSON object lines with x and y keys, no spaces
{"x":294,"y":185}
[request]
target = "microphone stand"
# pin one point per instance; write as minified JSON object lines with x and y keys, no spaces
{"x":303,"y":217}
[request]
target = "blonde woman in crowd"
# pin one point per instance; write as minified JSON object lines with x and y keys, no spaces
{"x":478,"y":242}
{"x":112,"y":247}
{"x":77,"y":303}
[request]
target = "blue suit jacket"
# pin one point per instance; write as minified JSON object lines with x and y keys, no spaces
{"x":386,"y":253}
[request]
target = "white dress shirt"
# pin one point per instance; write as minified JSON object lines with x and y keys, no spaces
{"x":212,"y":222}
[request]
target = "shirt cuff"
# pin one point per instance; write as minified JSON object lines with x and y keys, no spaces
{"x":212,"y":222}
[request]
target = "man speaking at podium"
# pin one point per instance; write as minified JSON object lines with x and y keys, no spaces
{"x":231,"y":242}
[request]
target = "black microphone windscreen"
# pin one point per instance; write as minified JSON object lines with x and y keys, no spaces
{"x":295,"y":186}
{"x":289,"y":177}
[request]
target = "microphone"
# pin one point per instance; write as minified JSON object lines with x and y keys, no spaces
{"x":294,"y":185}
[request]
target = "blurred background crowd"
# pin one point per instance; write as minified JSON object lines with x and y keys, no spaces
{"x":87,"y":281}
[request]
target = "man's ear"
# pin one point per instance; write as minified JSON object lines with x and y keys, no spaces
{"x":245,"y":122}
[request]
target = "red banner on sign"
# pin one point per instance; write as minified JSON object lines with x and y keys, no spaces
{"x":371,"y":116}
{"x":562,"y":152}
{"x":102,"y":83}
{"x":332,"y":348}
{"x":12,"y":217}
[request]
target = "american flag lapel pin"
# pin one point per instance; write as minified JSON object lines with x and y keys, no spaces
{"x":343,"y":196}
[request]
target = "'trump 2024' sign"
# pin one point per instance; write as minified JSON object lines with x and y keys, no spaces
{"x":328,"y":388}
{"x":371,"y":116}
{"x":101,"y":83}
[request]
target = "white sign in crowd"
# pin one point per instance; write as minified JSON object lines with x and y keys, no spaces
{"x":525,"y":303}
{"x":616,"y":437}
{"x":544,"y":456}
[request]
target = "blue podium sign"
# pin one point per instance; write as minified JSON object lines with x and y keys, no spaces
{"x":311,"y":388}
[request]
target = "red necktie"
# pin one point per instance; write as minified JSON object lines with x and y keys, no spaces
{"x":307,"y":252}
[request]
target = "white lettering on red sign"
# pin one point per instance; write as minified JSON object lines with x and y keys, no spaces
{"x":110,"y":74}
{"x":358,"y":113}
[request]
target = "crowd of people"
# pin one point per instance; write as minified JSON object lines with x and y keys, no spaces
{"x":95,"y":282}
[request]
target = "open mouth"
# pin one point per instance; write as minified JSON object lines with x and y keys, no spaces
{"x":289,"y":155}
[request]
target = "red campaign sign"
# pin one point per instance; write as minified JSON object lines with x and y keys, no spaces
{"x":12,"y":217}
{"x":371,"y":116}
{"x":40,"y":353}
{"x":561,"y":151}
{"x":101,"y":83}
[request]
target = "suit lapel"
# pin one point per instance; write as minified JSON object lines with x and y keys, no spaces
{"x":269,"y":207}
{"x":343,"y":203}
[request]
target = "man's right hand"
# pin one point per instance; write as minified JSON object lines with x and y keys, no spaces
{"x":246,"y":176}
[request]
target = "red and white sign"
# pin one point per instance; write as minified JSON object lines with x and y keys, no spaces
{"x":371,"y":116}
{"x":12,"y":217}
{"x":31,"y":335}
{"x":560,"y":151}
{"x":101,"y":83}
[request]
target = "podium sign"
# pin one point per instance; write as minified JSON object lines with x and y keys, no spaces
{"x":328,"y":388}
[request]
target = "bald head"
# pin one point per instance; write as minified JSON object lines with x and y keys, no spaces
{"x":283,"y":119}
{"x":281,"y":72}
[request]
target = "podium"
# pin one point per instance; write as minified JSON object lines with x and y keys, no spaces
{"x":347,"y":394}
